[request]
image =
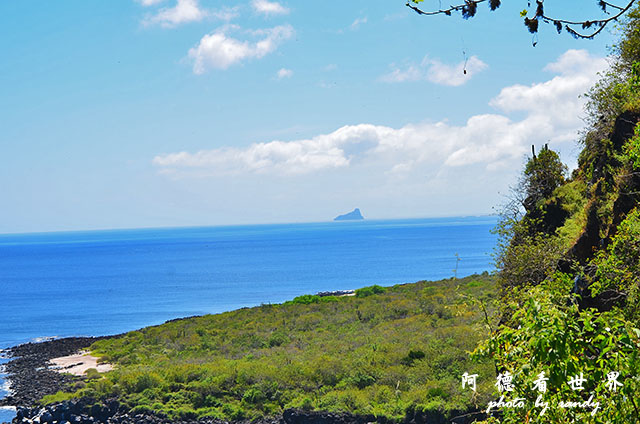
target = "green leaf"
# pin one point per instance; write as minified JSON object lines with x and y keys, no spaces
{"x":524,"y":13}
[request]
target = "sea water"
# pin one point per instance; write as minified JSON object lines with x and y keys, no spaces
{"x":108,"y":282}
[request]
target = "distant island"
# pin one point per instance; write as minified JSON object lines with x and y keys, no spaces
{"x":353,"y":215}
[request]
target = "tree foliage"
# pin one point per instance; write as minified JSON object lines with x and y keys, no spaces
{"x":557,"y":338}
{"x":525,"y":254}
{"x":542,"y":174}
{"x":584,"y":320}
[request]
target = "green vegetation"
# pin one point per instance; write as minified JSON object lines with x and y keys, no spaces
{"x":380,"y":352}
{"x":569,"y":260}
{"x":307,"y":299}
{"x":371,"y":290}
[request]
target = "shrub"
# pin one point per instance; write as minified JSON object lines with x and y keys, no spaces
{"x":142,"y":409}
{"x":92,"y":374}
{"x":305,"y":299}
{"x":254,"y":396}
{"x":632,"y":149}
{"x":58,"y":397}
{"x":555,"y":339}
{"x":277,"y":338}
{"x":412,"y":356}
{"x":362,"y":379}
{"x":370,"y":290}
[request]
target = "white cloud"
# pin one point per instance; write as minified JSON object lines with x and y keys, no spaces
{"x":226,"y":13}
{"x":266,"y":7}
{"x":148,"y":3}
{"x":284,"y":73}
{"x":435,"y":71}
{"x":276,"y":156}
{"x":183,"y":12}
{"x":490,"y":142}
{"x":356,"y":24}
{"x":555,"y":99}
{"x":454,"y":75}
{"x":484,"y":139}
{"x":410,"y":73}
{"x":219,"y":51}
{"x":577,"y":61}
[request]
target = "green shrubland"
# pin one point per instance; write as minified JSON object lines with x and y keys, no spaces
{"x":381,"y":352}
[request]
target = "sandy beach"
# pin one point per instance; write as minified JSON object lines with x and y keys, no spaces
{"x":78,"y":364}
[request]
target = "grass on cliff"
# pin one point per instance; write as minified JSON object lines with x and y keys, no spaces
{"x":379,"y":352}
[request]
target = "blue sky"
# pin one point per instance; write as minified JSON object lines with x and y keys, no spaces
{"x":151,"y":113}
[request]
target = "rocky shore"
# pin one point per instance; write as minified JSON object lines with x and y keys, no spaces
{"x":31,"y":380}
{"x":111,"y":412}
{"x":28,"y":370}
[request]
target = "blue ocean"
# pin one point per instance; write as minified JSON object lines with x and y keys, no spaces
{"x":108,"y":282}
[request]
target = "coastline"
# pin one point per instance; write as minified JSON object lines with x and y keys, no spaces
{"x":31,"y":376}
{"x":28,"y":375}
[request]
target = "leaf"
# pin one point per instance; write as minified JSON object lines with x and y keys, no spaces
{"x":524,"y":13}
{"x":558,"y":26}
{"x":603,"y":5}
{"x":469,"y":10}
{"x":532,"y":25}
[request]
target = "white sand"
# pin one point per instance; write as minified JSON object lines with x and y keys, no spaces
{"x":78,"y":364}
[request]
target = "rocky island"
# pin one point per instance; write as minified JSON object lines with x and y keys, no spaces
{"x":351,"y":216}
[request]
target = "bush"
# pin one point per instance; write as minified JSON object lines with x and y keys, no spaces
{"x":142,"y":409}
{"x":632,"y":149}
{"x":556,"y":339}
{"x":370,"y":290}
{"x":362,"y":379}
{"x":277,"y":339}
{"x":305,"y":299}
{"x":58,"y":397}
{"x":92,"y":374}
{"x":254,"y":396}
{"x":412,"y":356}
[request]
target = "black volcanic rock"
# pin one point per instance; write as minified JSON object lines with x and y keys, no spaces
{"x":28,"y":371}
{"x":353,"y":215}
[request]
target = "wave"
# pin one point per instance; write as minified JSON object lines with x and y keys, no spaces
{"x":44,"y":339}
{"x":5,"y":387}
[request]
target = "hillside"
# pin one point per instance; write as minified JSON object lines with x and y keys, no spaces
{"x":569,"y":260}
{"x":382,"y":352}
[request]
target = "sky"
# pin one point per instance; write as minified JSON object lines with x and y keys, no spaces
{"x":164,"y":113}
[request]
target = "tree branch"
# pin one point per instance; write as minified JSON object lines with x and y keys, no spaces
{"x":469,"y":8}
{"x":600,"y":23}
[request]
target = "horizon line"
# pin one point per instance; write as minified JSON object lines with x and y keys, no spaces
{"x":256,"y":224}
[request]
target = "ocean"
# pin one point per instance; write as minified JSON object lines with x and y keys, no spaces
{"x":91,"y":283}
